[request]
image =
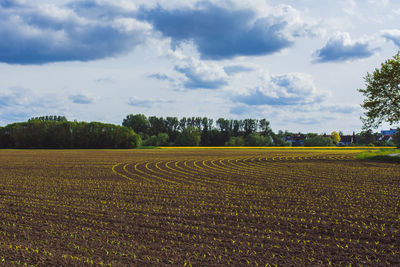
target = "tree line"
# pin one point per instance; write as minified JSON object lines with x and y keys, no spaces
{"x":139,"y":130}
{"x":57,"y":132}
{"x":202,"y":131}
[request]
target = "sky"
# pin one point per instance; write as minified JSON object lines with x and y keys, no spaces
{"x":297,"y":63}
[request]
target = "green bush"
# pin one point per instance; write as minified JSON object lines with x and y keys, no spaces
{"x":318,"y":141}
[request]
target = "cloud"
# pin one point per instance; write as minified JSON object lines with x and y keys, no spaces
{"x":17,"y":104}
{"x":146,"y":103}
{"x":282,"y":90}
{"x":201,"y":75}
{"x":96,"y":29}
{"x":15,"y":97}
{"x":350,"y":7}
{"x":233,"y":69}
{"x":379,"y":2}
{"x":223,"y":31}
{"x":161,"y":77}
{"x":344,"y":109}
{"x":11,"y":3}
{"x":48,"y":33}
{"x":392,"y":35}
{"x":301,"y":120}
{"x":105,"y":80}
{"x":341,"y":48}
{"x":80,"y":99}
{"x":243,"y":109}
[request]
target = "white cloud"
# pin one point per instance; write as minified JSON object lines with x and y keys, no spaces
{"x":392,"y":35}
{"x":379,"y":2}
{"x":19,"y":104}
{"x":283,"y":90}
{"x":350,"y":7}
{"x":202,"y":75}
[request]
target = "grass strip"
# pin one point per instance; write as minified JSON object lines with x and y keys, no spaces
{"x":389,"y":155}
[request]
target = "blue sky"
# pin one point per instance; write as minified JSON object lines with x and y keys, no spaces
{"x":297,"y":63}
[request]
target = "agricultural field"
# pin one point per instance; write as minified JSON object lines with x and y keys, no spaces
{"x":197,"y":207}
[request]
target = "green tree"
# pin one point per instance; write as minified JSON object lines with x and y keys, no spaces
{"x":318,"y":141}
{"x":160,"y":139}
{"x":335,"y":137}
{"x":256,"y":139}
{"x":138,"y":123}
{"x":396,"y":138}
{"x":265,"y":129}
{"x":190,"y":136}
{"x":235,"y":141}
{"x":366,"y":138}
{"x":382,"y":94}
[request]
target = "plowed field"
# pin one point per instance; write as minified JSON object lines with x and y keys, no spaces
{"x":197,"y":208}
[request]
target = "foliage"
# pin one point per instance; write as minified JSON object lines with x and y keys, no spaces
{"x":335,"y":137}
{"x":190,"y":136}
{"x":218,"y":135}
{"x":138,"y":123}
{"x":49,"y":118}
{"x":396,"y":138}
{"x":318,"y":141}
{"x":157,"y":140}
{"x":66,"y":134}
{"x":367,"y":137}
{"x":382,"y":94}
{"x":235,"y":141}
{"x":256,"y":139}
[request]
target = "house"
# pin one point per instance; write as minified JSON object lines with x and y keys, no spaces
{"x":346,"y":140}
{"x":295,"y":140}
{"x":387,"y":135}
{"x":390,"y":132}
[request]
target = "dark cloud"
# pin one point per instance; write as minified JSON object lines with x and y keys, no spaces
{"x":90,"y":30}
{"x":38,"y":35}
{"x":283,"y":90}
{"x":340,"y":48}
{"x":80,"y":99}
{"x":11,"y":3}
{"x":221,"y":33}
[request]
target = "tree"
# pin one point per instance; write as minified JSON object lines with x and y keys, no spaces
{"x":264,"y":127}
{"x":318,"y":141}
{"x":190,"y":136}
{"x":382,"y":94}
{"x":138,"y":123}
{"x":366,"y":138}
{"x":396,"y":138}
{"x":157,"y":140}
{"x":235,"y":141}
{"x":256,"y":139}
{"x":335,"y":137}
{"x":249,"y":126}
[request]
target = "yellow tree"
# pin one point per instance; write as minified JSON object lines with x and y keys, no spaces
{"x":335,"y":137}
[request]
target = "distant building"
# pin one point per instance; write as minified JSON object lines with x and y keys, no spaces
{"x":347,"y":140}
{"x":390,"y":132}
{"x":295,"y":140}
